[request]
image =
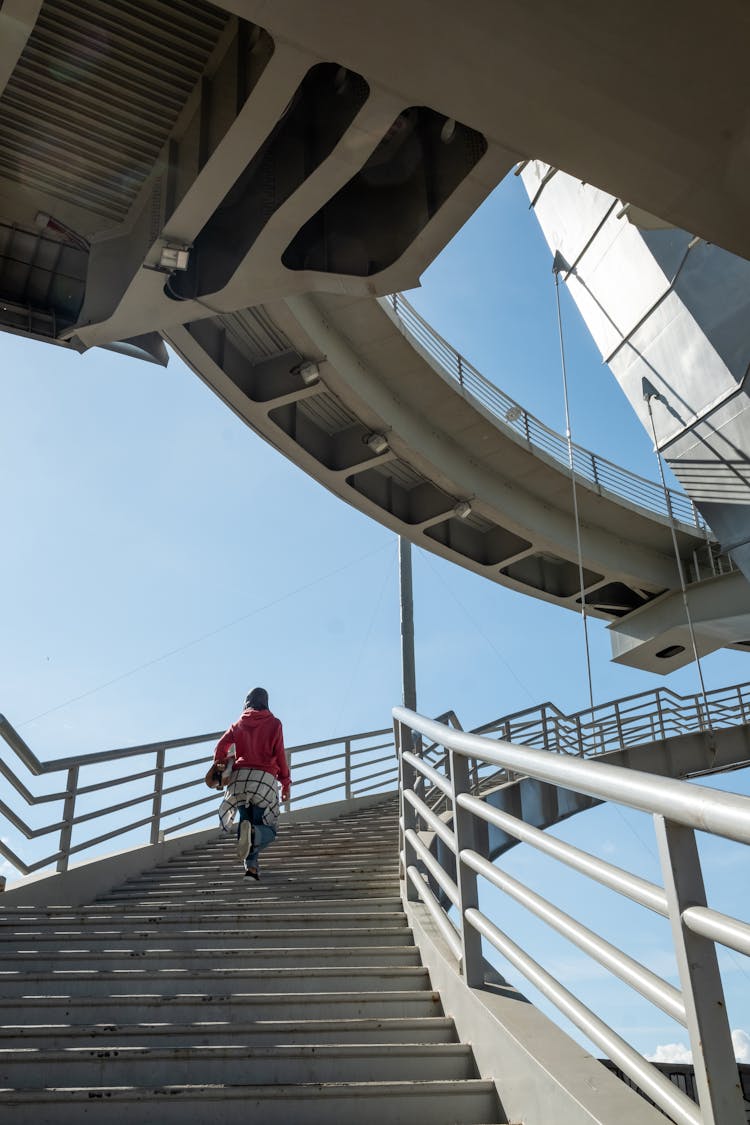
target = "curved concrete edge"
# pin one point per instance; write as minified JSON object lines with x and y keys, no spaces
{"x":17,"y":19}
{"x":87,"y":881}
{"x":540,"y":1073}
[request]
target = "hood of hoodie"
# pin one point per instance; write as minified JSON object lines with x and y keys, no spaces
{"x":251,"y":717}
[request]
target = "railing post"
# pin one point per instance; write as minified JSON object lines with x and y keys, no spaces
{"x":545,"y":730}
{"x":407,"y":776}
{"x":158,"y":791}
{"x":69,"y":808}
{"x":660,"y":712}
{"x":466,"y":879}
{"x":618,"y":723}
{"x":288,"y":802}
{"x":460,"y":370}
{"x":348,"y":768}
{"x":594,"y":469}
{"x":716,"y":1076}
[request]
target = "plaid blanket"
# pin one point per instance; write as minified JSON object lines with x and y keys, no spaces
{"x":250,"y":787}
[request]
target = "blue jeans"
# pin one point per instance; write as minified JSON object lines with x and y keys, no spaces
{"x":262,"y":835}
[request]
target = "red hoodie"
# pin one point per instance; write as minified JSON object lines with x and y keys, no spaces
{"x":259,"y":744}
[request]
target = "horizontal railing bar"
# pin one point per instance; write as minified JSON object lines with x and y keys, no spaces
{"x":189,"y":805}
{"x":342,"y":739}
{"x":22,"y":791}
{"x":25,"y":829}
{"x":632,"y":972}
{"x":632,"y":886}
{"x":659,"y":1088}
{"x":428,"y":859}
{"x":99,"y":756}
{"x":377,"y":787}
{"x":434,"y":822}
{"x":338,"y":771}
{"x":441,"y":920}
{"x":92,"y":843}
{"x":21,"y":750}
{"x":719,"y":927}
{"x":432,"y":775}
{"x":340,"y":757}
{"x":318,"y":792}
{"x":133,"y":801}
{"x":186,"y":824}
{"x":723,"y":814}
{"x":112,"y":783}
{"x":358,"y":778}
{"x":35,"y":766}
{"x":10,"y":855}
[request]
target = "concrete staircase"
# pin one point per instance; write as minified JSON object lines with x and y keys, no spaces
{"x":194,"y":994}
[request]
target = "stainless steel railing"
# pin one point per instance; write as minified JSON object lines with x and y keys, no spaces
{"x":166,"y":787}
{"x":679,"y":809}
{"x":634,"y":720}
{"x":595,"y":471}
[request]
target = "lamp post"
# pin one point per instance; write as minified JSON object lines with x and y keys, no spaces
{"x":408,"y":666}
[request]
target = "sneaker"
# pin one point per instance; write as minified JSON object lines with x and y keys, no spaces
{"x":253,"y":873}
{"x":244,"y":840}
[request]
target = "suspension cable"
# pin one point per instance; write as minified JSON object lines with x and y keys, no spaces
{"x":650,"y":392}
{"x":557,"y":265}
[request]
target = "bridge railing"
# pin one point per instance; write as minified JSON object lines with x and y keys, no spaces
{"x":596,"y":471}
{"x":633,"y":720}
{"x":679,"y":809}
{"x":158,"y":788}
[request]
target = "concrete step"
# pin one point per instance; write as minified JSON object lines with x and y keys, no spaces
{"x":285,"y":845}
{"x":425,"y":1029}
{"x":260,"y":898}
{"x":169,"y":982}
{"x":192,"y":1005}
{"x":235,"y":919}
{"x":233,"y":1063}
{"x":226,"y":877}
{"x":195,"y":938}
{"x":467,"y":1102}
{"x":309,"y":888}
{"x":283,"y":851}
{"x":233,"y":884}
{"x":75,"y":957}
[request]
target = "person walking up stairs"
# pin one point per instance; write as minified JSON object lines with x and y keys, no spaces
{"x":188,"y":994}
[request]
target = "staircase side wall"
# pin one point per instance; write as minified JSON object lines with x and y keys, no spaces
{"x":540,"y":1073}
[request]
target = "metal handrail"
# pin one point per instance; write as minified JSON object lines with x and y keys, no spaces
{"x":347,"y":764}
{"x":594,"y":471}
{"x":632,"y":720}
{"x":679,"y":809}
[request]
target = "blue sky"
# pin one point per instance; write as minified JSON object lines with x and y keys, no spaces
{"x":160,"y":559}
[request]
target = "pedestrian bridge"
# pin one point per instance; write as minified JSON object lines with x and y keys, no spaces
{"x":367,"y":398}
{"x":244,"y":179}
{"x":353,"y":980}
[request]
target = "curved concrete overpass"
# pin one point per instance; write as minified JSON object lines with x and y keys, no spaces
{"x":243,"y":178}
{"x":339,"y":386}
